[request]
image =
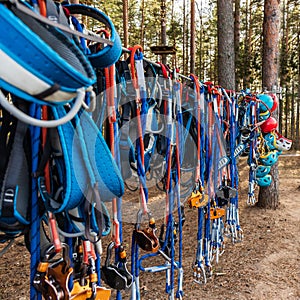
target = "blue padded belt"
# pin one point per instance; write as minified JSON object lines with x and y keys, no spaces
{"x":76,"y":174}
{"x":75,"y":177}
{"x":105,"y":169}
{"x":43,"y":51}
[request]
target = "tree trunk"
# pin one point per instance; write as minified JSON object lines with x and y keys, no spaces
{"x":192,"y":41}
{"x":184,"y":36}
{"x":174,"y":57}
{"x":201,"y":64}
{"x":269,"y":196}
{"x":292,"y":124}
{"x":286,"y":111}
{"x":226,"y":64}
{"x":248,"y":48}
{"x":297,"y":137}
{"x":125,"y":23}
{"x":280,"y":108}
{"x":237,"y":20}
{"x":163,"y":29}
{"x":297,"y":142}
{"x":142,"y":23}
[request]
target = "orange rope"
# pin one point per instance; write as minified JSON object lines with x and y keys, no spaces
{"x":138,"y":112}
{"x":109,"y":84}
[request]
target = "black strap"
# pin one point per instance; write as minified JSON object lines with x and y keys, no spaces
{"x":47,"y":151}
{"x":7,"y":131}
{"x":51,"y":90}
{"x":93,"y":197}
{"x":15,"y":183}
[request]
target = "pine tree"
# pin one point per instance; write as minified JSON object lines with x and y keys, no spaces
{"x":269,"y":196}
{"x":226,"y":58}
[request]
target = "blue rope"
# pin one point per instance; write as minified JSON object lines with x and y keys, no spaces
{"x":252,"y":143}
{"x":69,"y":242}
{"x":232,"y":147}
{"x":35,"y":111}
{"x":142,"y":178}
{"x":202,"y":142}
{"x":119,"y":199}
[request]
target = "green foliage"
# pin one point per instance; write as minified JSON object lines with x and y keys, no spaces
{"x":145,"y":28}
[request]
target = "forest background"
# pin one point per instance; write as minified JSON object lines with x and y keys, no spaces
{"x":141,"y":22}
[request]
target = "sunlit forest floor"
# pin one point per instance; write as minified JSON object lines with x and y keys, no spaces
{"x":265,"y":265}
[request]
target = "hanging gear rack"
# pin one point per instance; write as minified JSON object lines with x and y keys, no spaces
{"x":76,"y":171}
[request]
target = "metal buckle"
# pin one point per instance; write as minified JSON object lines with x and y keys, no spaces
{"x":9,"y":195}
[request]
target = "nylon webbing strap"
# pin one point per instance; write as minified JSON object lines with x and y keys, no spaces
{"x":64,"y":28}
{"x":5,"y":144}
{"x":15,"y":176}
{"x":51,"y":90}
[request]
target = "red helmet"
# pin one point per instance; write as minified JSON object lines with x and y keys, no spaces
{"x":269,"y":125}
{"x":275,"y":101}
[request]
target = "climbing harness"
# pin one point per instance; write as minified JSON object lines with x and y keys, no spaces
{"x":67,"y":68}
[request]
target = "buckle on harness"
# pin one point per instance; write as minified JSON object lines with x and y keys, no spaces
{"x":8,"y":203}
{"x":9,"y":195}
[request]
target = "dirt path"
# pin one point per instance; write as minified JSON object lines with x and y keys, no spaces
{"x":266,"y":265}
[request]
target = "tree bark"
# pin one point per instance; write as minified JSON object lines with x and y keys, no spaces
{"x":125,"y":23}
{"x":246,"y":48}
{"x":297,"y":138}
{"x":286,"y":110}
{"x":237,"y":33}
{"x":271,"y":29}
{"x":297,"y":142}
{"x":226,"y":59}
{"x":292,"y":124}
{"x":192,"y":41}
{"x":142,"y":23}
{"x":163,"y":29}
{"x":201,"y":64}
{"x":269,"y":196}
{"x":184,"y":37}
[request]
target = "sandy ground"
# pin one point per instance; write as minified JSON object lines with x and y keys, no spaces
{"x":266,"y":265}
